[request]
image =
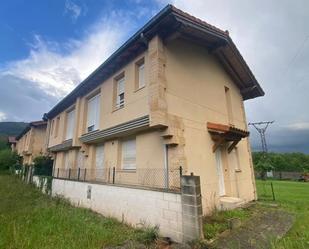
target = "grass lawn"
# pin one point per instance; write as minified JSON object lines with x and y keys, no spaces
{"x":290,"y":196}
{"x":293,"y":197}
{"x":29,"y":219}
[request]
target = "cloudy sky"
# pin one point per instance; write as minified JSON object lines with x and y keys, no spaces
{"x":48,"y":47}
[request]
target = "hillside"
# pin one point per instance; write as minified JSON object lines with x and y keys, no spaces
{"x":11,"y":128}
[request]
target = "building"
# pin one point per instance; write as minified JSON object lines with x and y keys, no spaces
{"x":168,"y":102}
{"x":12,"y":142}
{"x":31,"y":142}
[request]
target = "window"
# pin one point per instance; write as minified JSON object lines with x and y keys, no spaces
{"x":57,"y":127}
{"x":93,"y":113}
{"x":228,"y":102}
{"x":66,"y":160}
{"x":235,"y":158}
{"x":129,"y":154}
{"x":70,"y":124}
{"x":120,"y":84}
{"x":52,"y":127}
{"x":140,"y":74}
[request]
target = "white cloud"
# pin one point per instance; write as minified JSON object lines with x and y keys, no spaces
{"x":299,"y":126}
{"x":73,"y":9}
{"x":56,"y":68}
{"x":2,"y":116}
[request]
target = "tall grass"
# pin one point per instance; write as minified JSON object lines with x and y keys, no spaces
{"x":30,"y":220}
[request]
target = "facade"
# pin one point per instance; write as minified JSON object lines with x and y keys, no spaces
{"x":31,"y":142}
{"x":168,"y":103}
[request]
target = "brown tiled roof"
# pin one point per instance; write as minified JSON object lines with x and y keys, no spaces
{"x":11,"y":140}
{"x":169,"y":20}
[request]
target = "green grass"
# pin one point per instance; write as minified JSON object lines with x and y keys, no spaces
{"x":293,"y":197}
{"x":290,"y":196}
{"x":29,"y":219}
{"x":218,"y":222}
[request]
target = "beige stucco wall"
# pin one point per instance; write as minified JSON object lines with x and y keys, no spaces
{"x":136,"y":104}
{"x":32,"y":144}
{"x":185,"y":89}
{"x":195,"y":93}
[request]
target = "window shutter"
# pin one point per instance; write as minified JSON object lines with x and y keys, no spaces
{"x":93,"y":117}
{"x":141,"y":75}
{"x":129,"y":154}
{"x":70,"y":124}
{"x":120,"y":92}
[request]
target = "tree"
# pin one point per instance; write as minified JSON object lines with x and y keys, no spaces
{"x":43,"y":165}
{"x":8,"y":159}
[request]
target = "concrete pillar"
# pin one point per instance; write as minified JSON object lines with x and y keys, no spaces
{"x":192,"y":220}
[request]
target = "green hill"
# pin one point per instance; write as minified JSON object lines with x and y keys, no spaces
{"x":9,"y":129}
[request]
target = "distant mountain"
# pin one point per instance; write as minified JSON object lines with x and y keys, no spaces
{"x":11,"y":128}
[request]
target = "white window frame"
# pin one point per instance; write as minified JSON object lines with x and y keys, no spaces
{"x":70,"y":124}
{"x":128,"y":154}
{"x":141,"y":75}
{"x":93,"y":122}
{"x":120,"y":98}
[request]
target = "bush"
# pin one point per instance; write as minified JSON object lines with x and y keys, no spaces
{"x":43,"y":166}
{"x":8,"y":159}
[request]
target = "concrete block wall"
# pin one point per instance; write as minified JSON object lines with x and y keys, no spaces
{"x":131,"y":205}
{"x":192,"y":212}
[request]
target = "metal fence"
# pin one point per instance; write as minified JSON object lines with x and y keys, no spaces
{"x":149,"y":178}
{"x":282,"y":175}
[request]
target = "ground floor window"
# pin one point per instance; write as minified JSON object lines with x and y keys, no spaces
{"x":128,"y":157}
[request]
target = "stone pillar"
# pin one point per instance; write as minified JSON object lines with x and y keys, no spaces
{"x":192,"y":220}
{"x":157,"y":82}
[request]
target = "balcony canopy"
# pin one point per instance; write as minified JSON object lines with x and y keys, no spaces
{"x":222,"y":134}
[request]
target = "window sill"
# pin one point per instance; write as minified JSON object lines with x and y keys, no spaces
{"x":127,"y":170}
{"x":139,"y":89}
{"x":117,"y":109}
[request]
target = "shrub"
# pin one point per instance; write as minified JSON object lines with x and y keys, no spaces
{"x":8,"y":159}
{"x":43,"y":166}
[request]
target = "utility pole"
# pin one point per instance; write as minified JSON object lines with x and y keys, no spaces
{"x":261,"y":127}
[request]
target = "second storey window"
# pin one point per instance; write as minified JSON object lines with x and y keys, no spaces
{"x":57,"y":127}
{"x":120,"y":92}
{"x":140,"y":74}
{"x":93,"y":113}
{"x":129,"y":154}
{"x":70,"y":124}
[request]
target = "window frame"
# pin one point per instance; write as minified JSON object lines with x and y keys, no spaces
{"x":118,"y":102}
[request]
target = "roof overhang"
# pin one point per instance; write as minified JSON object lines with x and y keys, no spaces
{"x":222,"y":134}
{"x":168,"y":22}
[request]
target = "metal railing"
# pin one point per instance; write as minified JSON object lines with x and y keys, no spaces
{"x":158,"y":178}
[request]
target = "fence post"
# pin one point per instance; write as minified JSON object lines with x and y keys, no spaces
{"x":78,"y":174}
{"x":191,"y":201}
{"x":69,"y":173}
{"x":58,"y":173}
{"x":114,"y":170}
{"x":272,"y":190}
{"x":85,"y":174}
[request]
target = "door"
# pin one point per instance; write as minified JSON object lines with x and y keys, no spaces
{"x":220,"y":172}
{"x":100,"y":162}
